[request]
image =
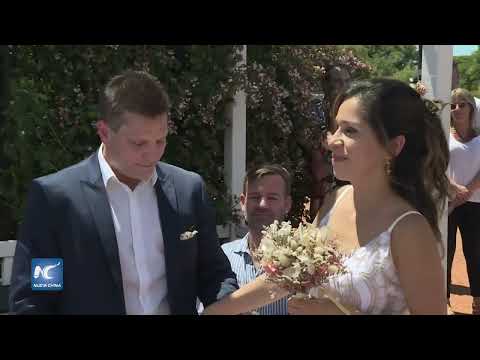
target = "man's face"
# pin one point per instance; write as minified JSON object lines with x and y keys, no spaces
{"x":135,"y":148}
{"x":265,"y":201}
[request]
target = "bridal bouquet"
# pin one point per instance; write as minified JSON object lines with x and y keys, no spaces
{"x":299,"y":259}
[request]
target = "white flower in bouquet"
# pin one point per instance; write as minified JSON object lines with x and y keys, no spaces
{"x":299,"y":259}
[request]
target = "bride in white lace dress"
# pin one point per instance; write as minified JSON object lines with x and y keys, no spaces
{"x":391,"y":148}
{"x":372,"y":284}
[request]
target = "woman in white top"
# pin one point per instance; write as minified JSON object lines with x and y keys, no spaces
{"x":464,"y":175}
{"x":391,"y":148}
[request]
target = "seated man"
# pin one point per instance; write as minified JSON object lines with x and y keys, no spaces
{"x":265,"y":198}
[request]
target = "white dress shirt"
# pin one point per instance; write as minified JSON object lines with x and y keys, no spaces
{"x":140,"y":242}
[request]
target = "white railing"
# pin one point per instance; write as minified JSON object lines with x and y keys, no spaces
{"x":7,"y":250}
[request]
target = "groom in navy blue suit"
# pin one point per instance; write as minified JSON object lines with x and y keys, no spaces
{"x":136,"y":235}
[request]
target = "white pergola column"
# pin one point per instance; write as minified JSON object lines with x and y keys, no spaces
{"x":235,"y":150}
{"x":437,"y":76}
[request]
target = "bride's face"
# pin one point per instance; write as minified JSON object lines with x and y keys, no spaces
{"x":357,"y":154}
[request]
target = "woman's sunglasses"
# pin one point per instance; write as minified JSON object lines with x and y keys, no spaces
{"x":460,"y":105}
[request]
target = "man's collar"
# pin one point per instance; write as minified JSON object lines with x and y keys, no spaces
{"x":242,"y":246}
{"x":107,"y":172}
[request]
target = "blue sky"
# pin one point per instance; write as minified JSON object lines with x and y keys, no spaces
{"x":459,"y":50}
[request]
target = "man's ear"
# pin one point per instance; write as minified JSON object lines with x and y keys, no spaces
{"x":103,"y":130}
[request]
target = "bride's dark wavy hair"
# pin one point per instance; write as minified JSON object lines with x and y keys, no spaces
{"x":418,"y":173}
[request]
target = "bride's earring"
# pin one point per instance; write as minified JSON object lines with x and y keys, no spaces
{"x":388,"y":167}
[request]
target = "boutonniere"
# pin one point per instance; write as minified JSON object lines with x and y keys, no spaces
{"x":187,"y":235}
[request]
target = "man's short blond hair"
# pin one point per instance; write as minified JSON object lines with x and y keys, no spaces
{"x":257,"y":173}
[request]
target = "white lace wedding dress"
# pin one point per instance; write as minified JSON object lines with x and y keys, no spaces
{"x":371,"y":284}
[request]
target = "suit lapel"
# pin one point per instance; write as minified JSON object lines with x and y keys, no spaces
{"x":96,"y":197}
{"x":167,"y":208}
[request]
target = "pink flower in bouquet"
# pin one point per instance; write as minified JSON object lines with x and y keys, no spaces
{"x":299,"y":259}
{"x":270,"y":269}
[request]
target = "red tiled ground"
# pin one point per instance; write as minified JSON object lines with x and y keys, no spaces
{"x":460,"y":298}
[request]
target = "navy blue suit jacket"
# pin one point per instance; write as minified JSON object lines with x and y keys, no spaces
{"x":68,"y":216}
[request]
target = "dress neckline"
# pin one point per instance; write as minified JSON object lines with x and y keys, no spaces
{"x":327,"y":216}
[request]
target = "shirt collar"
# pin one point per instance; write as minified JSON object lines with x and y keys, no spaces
{"x":107,"y":172}
{"x":242,"y":246}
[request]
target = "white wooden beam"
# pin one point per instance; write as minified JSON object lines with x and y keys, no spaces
{"x":437,"y":76}
{"x":235,"y":152}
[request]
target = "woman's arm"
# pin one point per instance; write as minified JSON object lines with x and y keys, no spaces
{"x":260,"y":292}
{"x":249,"y":297}
{"x":419,"y":266}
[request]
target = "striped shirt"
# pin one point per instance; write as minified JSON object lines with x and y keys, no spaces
{"x":242,"y":265}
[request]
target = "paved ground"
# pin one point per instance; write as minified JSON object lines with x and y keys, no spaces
{"x":460,"y":298}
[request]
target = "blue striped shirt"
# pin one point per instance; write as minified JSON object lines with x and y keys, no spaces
{"x":242,"y":265}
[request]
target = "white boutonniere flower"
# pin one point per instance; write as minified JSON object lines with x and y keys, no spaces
{"x":187,"y":235}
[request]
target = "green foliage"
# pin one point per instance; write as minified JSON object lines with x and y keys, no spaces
{"x":54,"y":93}
{"x":469,"y":71}
{"x":281,"y":127}
{"x":391,"y":61}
